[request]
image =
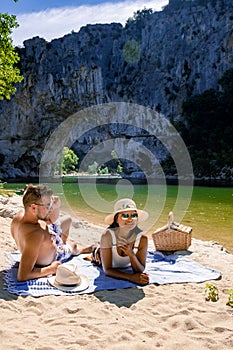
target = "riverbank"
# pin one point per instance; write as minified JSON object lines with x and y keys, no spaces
{"x":113,"y":179}
{"x":175,"y":316}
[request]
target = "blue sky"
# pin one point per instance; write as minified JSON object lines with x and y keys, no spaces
{"x":52,"y":19}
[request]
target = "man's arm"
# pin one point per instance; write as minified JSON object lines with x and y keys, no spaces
{"x":15,"y":221}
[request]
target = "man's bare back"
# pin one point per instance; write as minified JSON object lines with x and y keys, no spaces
{"x":25,"y":232}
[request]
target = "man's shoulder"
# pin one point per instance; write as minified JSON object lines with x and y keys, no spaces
{"x":31,"y":232}
{"x":18,"y":216}
{"x":33,"y":228}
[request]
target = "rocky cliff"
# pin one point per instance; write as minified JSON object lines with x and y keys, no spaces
{"x":156,"y":61}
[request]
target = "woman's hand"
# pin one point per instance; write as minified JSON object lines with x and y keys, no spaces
{"x":140,"y":278}
{"x":124,"y":246}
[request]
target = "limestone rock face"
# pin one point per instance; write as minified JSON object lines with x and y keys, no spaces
{"x":156,"y":62}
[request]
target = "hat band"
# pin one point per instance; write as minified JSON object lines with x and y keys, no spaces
{"x":127,"y":206}
{"x":68,"y":285}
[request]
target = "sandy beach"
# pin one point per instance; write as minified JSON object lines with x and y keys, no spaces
{"x":174,"y":316}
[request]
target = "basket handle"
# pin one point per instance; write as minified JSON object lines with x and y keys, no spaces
{"x":170,"y":219}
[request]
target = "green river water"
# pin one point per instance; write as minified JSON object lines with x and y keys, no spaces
{"x":209,"y":212}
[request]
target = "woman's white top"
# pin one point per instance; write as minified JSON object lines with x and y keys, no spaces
{"x":119,"y":261}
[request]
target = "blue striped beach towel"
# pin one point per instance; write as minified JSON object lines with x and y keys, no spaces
{"x":161,"y":269}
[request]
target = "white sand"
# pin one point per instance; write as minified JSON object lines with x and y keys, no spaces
{"x":155,"y":317}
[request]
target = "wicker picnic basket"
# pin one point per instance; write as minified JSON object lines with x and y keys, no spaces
{"x":172,"y":236}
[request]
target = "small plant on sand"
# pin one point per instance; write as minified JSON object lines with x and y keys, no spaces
{"x":5,"y":192}
{"x":2,"y":190}
{"x":230,"y":298}
{"x":211,"y":292}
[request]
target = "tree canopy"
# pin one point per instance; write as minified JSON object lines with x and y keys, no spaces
{"x":68,"y":162}
{"x":9,"y":72}
{"x":139,"y":15}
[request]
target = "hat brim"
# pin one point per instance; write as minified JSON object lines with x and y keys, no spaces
{"x":73,"y":288}
{"x":142,"y":215}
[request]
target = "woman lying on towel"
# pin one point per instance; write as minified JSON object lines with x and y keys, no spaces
{"x":123,"y":243}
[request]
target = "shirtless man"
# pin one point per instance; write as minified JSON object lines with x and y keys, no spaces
{"x":33,"y":241}
{"x":37,"y":244}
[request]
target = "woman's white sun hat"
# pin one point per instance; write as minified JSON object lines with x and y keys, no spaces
{"x":126,"y":204}
{"x":68,"y":279}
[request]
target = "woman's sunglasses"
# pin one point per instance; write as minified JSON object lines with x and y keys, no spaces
{"x":126,"y":216}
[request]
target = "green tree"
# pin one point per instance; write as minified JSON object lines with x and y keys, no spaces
{"x":68,"y":162}
{"x":139,"y":15}
{"x":103,"y":171}
{"x":9,"y":72}
{"x":93,"y":168}
{"x":115,"y":166}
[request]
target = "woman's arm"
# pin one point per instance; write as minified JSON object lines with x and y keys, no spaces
{"x":138,"y":260}
{"x":54,"y":211}
{"x":106,"y":258}
{"x":66,"y":222}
